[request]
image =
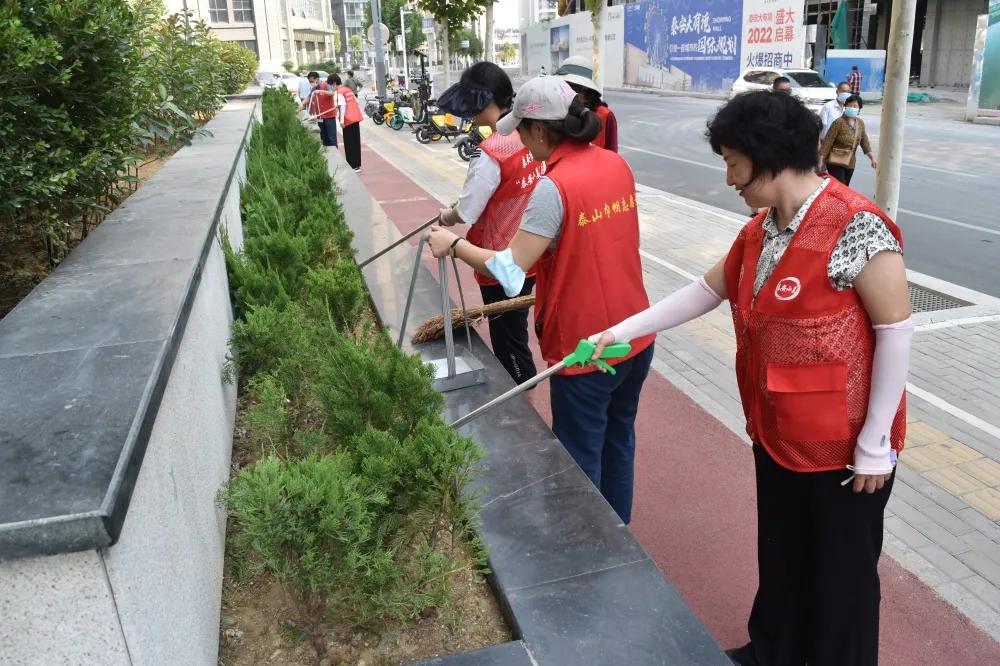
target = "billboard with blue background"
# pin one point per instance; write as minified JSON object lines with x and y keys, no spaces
{"x":684,"y":44}
{"x":871,"y":64}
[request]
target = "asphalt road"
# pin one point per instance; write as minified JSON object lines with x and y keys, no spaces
{"x":950,"y":196}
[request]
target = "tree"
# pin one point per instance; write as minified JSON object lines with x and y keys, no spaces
{"x":450,"y":15}
{"x":456,"y":37}
{"x":390,"y":17}
{"x":355,"y":42}
{"x":596,"y":8}
{"x":507,"y":53}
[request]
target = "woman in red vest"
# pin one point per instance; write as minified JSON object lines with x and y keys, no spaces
{"x":579,"y":74}
{"x":499,"y":182}
{"x":581,"y":233}
{"x":818,"y":292}
{"x":323,"y":102}
{"x":350,"y":122}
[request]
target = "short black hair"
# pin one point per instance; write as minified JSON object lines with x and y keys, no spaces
{"x":350,"y":72}
{"x":490,"y":76}
{"x":776,"y":132}
{"x":854,"y":66}
{"x":855,"y":98}
{"x":333,"y":80}
{"x":781,"y":79}
{"x":312,"y":75}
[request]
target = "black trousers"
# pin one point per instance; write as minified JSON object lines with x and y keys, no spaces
{"x":843,"y":174}
{"x":818,"y":545}
{"x":328,"y":131}
{"x":352,"y":145}
{"x":509,"y":334}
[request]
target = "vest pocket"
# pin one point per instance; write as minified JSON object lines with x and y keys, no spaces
{"x":810,"y":401}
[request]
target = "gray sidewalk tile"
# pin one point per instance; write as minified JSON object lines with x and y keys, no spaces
{"x":948,"y":564}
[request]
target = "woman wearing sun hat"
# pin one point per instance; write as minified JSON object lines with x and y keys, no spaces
{"x":581,"y":233}
{"x":500,"y":179}
{"x":579,"y":74}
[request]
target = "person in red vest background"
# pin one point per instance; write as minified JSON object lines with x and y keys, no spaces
{"x":817,"y":287}
{"x":500,"y":180}
{"x":323,"y":103}
{"x":581,"y":233}
{"x":350,"y":116}
{"x":579,"y":74}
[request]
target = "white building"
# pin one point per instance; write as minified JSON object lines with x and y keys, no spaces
{"x":276,"y":30}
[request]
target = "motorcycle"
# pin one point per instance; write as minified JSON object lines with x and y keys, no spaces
{"x":469,"y":144}
{"x":440,"y":125}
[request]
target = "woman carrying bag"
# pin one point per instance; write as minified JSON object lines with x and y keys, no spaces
{"x":581,"y":233}
{"x":840,"y":145}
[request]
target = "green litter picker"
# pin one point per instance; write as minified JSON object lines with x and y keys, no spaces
{"x":580,"y":357}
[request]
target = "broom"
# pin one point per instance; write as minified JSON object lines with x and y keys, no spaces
{"x":433,"y":328}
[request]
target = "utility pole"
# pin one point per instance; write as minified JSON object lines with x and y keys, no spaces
{"x":379,"y":51}
{"x":406,"y":61}
{"x":897,"y":85}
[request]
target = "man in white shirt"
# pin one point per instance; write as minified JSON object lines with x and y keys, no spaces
{"x":834,"y":108}
{"x":307,"y":84}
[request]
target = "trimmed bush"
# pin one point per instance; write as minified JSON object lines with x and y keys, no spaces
{"x":359,"y":477}
{"x":239,"y":66}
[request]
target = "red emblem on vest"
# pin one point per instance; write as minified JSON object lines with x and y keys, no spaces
{"x":787,"y":289}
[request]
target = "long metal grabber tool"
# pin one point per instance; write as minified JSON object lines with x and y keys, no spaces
{"x":407,"y":236}
{"x":581,"y":356}
{"x":409,"y":294}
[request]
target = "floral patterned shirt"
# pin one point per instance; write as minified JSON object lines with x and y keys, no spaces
{"x":865,"y":236}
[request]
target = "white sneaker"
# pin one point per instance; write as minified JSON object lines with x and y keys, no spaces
{"x":357,"y":170}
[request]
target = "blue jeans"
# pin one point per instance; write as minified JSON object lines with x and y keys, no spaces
{"x":328,"y":131}
{"x":593,"y":415}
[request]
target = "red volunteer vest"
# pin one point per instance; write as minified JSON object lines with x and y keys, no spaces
{"x":323,"y":106}
{"x":593,"y":279}
{"x":601,"y":140}
{"x":804,"y":350}
{"x":501,"y":218}
{"x":352,"y":112}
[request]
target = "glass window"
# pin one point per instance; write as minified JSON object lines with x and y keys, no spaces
{"x":809,"y":79}
{"x":218,"y":11}
{"x":243,"y":11}
{"x":250,"y":45}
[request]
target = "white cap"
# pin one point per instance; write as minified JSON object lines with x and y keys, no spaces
{"x":541,"y":98}
{"x":578,"y":70}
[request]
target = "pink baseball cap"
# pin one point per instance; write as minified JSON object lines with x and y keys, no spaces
{"x":541,"y":98}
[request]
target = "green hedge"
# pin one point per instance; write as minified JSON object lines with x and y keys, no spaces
{"x":358,"y":478}
{"x":86,"y":85}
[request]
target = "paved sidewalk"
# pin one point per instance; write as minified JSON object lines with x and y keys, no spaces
{"x":943,"y":522}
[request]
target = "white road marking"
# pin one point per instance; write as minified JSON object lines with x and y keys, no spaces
{"x":950,"y":172}
{"x":714,"y":167}
{"x":669,"y":266}
{"x":967,"y":321}
{"x":956,"y":223}
{"x":957,"y":412}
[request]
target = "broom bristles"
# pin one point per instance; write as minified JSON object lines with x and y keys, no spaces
{"x":433,"y":328}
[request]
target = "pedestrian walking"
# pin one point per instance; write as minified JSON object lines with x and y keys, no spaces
{"x":324,"y":103}
{"x":817,"y":288}
{"x":581,"y":232}
{"x":352,"y":82}
{"x":834,"y":108}
{"x":839,"y":149}
{"x":854,"y":80}
{"x":579,"y":74}
{"x":497,"y":188}
{"x":349,"y":113}
{"x":306,"y":86}
{"x":782,"y":84}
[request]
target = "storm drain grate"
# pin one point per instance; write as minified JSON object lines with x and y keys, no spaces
{"x":925,"y":300}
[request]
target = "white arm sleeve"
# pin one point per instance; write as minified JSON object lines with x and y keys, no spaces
{"x":683,"y":305}
{"x":481,"y":181}
{"x":890,"y":367}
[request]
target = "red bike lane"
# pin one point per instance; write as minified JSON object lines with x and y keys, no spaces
{"x":694,"y":506}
